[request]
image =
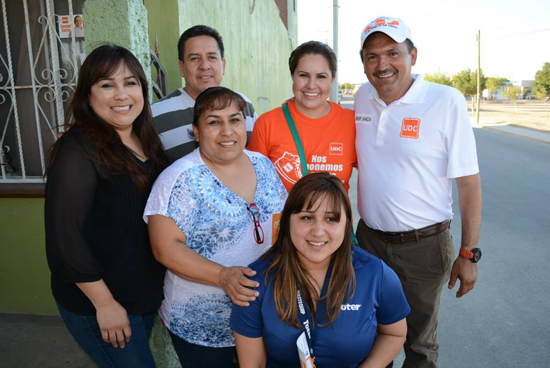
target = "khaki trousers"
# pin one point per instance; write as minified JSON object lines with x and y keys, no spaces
{"x":423,"y":269}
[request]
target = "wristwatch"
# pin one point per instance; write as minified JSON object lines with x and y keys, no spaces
{"x":473,"y":255}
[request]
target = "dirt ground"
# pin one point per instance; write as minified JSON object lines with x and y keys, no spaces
{"x":528,"y":114}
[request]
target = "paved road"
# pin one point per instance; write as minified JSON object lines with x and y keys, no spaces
{"x":505,"y":320}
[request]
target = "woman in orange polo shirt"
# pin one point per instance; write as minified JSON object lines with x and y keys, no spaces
{"x":325,"y":129}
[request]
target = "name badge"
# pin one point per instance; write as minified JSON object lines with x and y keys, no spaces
{"x":306,"y":361}
{"x":363,"y":118}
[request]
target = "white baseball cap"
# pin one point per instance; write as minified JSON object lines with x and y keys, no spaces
{"x":393,"y":27}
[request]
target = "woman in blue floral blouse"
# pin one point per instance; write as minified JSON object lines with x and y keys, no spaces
{"x":210,"y":214}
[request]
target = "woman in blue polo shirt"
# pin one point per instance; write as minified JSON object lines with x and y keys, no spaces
{"x":319,"y":291}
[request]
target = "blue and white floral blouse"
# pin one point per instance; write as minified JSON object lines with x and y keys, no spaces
{"x":217,"y":225}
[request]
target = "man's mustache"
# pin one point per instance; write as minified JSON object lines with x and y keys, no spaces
{"x":385,"y":71}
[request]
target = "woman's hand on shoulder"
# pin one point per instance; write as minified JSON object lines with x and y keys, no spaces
{"x":114,"y":324}
{"x":237,"y":285}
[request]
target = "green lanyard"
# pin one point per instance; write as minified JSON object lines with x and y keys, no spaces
{"x":296,"y":137}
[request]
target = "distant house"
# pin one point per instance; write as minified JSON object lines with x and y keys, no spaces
{"x":526,"y":89}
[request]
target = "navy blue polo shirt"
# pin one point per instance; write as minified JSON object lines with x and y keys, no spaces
{"x":378,"y":299}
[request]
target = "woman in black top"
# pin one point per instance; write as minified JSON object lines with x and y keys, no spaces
{"x":104,"y":277}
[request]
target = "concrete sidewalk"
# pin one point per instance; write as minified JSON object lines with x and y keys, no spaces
{"x":532,"y":134}
{"x":29,"y":341}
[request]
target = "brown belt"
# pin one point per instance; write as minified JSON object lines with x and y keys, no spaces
{"x":413,"y":235}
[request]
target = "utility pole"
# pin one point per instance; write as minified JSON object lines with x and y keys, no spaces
{"x":334,"y":89}
{"x":478,"y":74}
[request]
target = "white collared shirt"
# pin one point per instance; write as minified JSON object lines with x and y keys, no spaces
{"x":408,"y":152}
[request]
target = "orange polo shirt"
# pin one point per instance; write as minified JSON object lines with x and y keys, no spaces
{"x":329,"y":143}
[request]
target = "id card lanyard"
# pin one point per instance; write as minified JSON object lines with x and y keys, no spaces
{"x":304,"y":314}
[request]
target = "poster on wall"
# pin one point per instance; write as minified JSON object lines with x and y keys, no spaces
{"x":67,"y":26}
{"x":72,"y":53}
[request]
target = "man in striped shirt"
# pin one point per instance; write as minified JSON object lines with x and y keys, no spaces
{"x":202,"y":65}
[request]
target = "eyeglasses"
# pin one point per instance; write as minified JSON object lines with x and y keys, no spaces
{"x":254,"y":213}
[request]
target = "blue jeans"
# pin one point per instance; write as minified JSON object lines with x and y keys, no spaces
{"x":85,"y":330}
{"x":197,"y":356}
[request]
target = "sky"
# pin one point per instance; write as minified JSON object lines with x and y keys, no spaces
{"x":515,"y":35}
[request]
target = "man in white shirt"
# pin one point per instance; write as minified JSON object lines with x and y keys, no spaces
{"x":202,"y":65}
{"x":413,"y":137}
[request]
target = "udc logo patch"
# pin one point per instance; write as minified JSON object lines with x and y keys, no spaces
{"x":336,"y":148}
{"x":410,"y":128}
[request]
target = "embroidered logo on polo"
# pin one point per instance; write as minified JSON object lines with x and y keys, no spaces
{"x":350,"y":307}
{"x":410,"y":128}
{"x":336,"y":148}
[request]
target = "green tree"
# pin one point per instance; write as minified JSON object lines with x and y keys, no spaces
{"x":542,"y":79}
{"x":512,"y":92}
{"x":440,"y":78}
{"x":466,"y":82}
{"x":346,"y":86}
{"x":494,"y":84}
{"x":540,"y":94}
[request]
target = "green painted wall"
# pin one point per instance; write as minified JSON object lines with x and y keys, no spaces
{"x":256,"y":41}
{"x":164,"y":28}
{"x":292,"y":22}
{"x":24,"y":273}
{"x":123,"y":22}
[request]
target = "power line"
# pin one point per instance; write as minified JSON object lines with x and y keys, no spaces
{"x":520,"y":34}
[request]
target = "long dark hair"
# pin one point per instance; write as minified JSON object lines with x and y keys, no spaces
{"x":285,"y":268}
{"x":106,"y":147}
